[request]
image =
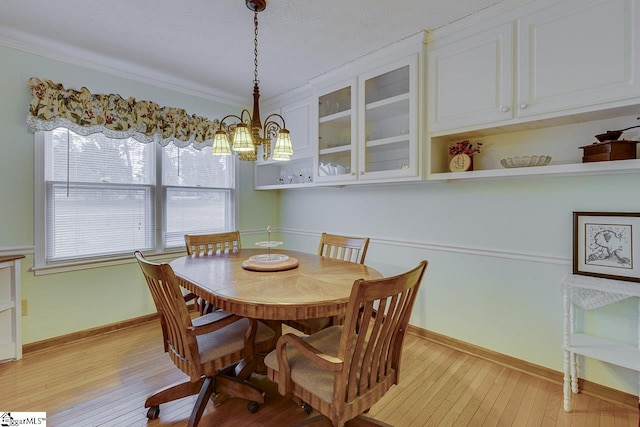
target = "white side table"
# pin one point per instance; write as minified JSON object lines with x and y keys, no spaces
{"x":10,"y":315}
{"x":587,"y":293}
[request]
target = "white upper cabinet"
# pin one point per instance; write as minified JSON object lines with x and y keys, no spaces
{"x":336,"y":135}
{"x":562,"y":58}
{"x":578,"y":54}
{"x":360,"y":123}
{"x":367,"y":126}
{"x":297,"y":117}
{"x":387,"y":121}
{"x":297,"y":172}
{"x":471,"y":80}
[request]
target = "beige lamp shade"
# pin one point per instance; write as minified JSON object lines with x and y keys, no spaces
{"x":281,"y":157}
{"x":242,"y":139}
{"x":283,"y":148}
{"x":221,"y":146}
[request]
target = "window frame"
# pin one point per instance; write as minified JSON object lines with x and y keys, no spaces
{"x":158,"y":195}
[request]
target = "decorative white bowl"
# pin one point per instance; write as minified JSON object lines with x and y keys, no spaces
{"x":525,"y":161}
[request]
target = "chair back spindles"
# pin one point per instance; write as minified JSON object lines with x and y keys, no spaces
{"x":205,"y":348}
{"x":352,"y":249}
{"x":344,"y":248}
{"x":170,"y":303}
{"x":371,"y":344}
{"x":212,"y":244}
{"x":343,"y":370}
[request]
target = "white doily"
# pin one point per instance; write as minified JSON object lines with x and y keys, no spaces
{"x":594,"y":292}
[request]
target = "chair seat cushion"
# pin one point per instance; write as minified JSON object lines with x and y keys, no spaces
{"x":227,"y":340}
{"x":305,"y":373}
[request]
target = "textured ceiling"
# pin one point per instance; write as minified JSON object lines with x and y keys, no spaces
{"x":206,"y":46}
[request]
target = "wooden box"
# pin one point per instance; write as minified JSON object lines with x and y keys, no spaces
{"x":609,"y":150}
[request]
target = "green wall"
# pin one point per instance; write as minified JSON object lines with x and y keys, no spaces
{"x":497,"y":251}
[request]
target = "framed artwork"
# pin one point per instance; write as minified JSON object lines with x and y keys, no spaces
{"x":607,"y":244}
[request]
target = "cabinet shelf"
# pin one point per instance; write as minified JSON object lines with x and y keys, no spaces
{"x":339,"y":149}
{"x":595,"y":168}
{"x":386,"y":141}
{"x":619,"y":354}
{"x":344,"y":115}
{"x":395,"y":106}
{"x":272,"y":174}
{"x":286,"y":186}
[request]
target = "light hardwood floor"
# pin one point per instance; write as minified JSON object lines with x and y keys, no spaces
{"x":104,"y":380}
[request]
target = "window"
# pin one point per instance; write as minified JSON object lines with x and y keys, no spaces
{"x":98,"y":197}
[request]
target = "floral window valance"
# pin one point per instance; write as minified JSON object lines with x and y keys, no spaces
{"x":85,"y":113}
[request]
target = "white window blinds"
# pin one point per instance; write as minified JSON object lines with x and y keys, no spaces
{"x":106,"y":197}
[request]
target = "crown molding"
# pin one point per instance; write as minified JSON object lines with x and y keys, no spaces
{"x":115,"y":67}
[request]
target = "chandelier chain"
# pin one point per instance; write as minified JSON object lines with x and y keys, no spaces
{"x":255,"y":48}
{"x":249,"y":133}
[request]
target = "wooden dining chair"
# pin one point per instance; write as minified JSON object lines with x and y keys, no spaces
{"x":211,"y":244}
{"x":351,"y":249}
{"x":216,"y":350}
{"x":343,"y":370}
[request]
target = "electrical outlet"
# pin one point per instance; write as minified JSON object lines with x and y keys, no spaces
{"x":25,"y":307}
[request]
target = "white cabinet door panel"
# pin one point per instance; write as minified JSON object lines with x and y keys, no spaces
{"x":471,"y":80}
{"x":297,"y":119}
{"x":571,"y":58}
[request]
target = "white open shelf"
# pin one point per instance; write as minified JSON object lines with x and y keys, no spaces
{"x":619,"y":354}
{"x":594,"y":168}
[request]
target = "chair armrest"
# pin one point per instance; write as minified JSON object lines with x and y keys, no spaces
{"x":222,"y":321}
{"x":306,"y":350}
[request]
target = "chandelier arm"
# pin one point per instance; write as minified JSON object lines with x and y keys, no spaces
{"x":228,"y":116}
{"x":244,"y":114}
{"x":271,"y":129}
{"x":266,"y":149}
{"x":273,"y":115}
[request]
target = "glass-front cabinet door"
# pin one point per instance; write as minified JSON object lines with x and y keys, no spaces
{"x":336,"y":154}
{"x":368,"y":126}
{"x":388,"y":122}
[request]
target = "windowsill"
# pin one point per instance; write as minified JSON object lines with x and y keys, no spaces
{"x":65,"y":267}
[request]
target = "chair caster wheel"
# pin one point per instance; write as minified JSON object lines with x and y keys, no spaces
{"x":307,"y":408}
{"x":253,"y":407}
{"x":153,"y":412}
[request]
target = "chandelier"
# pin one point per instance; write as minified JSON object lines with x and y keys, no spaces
{"x":247,"y":132}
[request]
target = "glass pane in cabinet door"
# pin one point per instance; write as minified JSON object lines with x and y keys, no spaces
{"x":388,"y":85}
{"x":335,"y":163}
{"x":335,"y":134}
{"x":334,"y":146}
{"x":387,"y":136}
{"x":388,"y":157}
{"x":388,"y":121}
{"x":334,"y":102}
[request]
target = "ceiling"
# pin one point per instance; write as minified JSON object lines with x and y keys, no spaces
{"x":206,"y":46}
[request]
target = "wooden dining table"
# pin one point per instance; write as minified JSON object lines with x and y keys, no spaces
{"x":317,"y":287}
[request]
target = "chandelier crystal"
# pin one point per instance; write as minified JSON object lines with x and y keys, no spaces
{"x":247,"y":133}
